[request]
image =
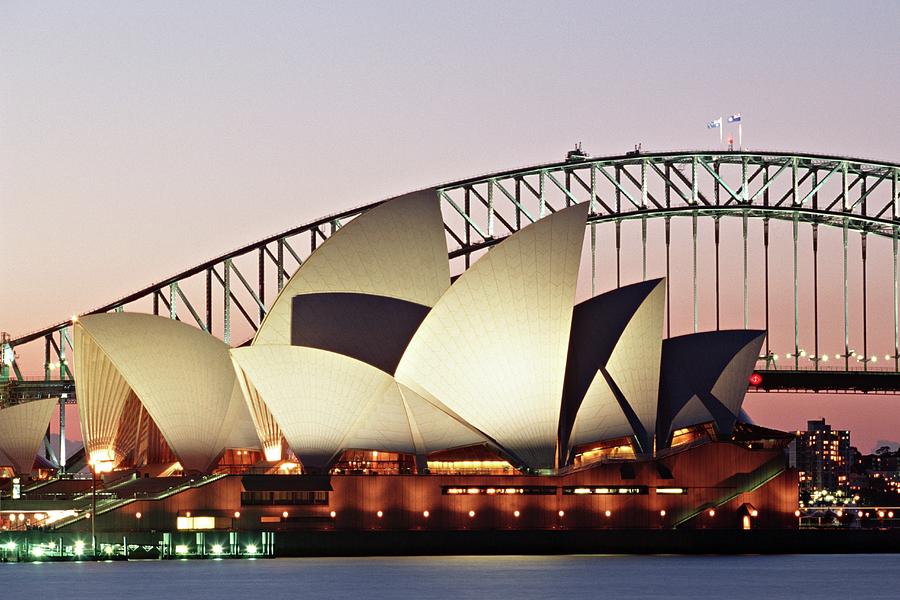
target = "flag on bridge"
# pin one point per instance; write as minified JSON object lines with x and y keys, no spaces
{"x":715,"y":124}
{"x":734,"y":118}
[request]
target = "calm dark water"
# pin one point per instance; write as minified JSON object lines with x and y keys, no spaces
{"x":847,"y":577}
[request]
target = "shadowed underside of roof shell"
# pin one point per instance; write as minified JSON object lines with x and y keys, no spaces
{"x":373,"y":329}
{"x":22,"y":427}
{"x":615,"y":341}
{"x":396,"y":249}
{"x":704,"y":378}
{"x":182,"y":376}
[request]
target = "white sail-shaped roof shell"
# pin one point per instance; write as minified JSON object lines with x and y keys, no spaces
{"x":731,"y":386}
{"x":634,"y":367}
{"x":434,"y":429}
{"x":267,"y":429}
{"x":493,"y":349}
{"x":102,"y":395}
{"x":722,"y":386}
{"x":182,"y":376}
{"x":600,"y":416}
{"x":693,"y":413}
{"x":22,"y":427}
{"x":395,"y":249}
{"x":326,"y":402}
{"x":402,"y":421}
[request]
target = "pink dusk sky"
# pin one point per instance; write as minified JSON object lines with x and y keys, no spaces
{"x":137,"y":140}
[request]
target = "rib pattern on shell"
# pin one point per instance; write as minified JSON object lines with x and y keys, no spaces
{"x":267,"y":429}
{"x":183,"y":378}
{"x":493,"y":348}
{"x":396,"y":249}
{"x":102,"y":394}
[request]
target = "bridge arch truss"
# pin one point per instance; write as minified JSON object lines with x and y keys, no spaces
{"x":227,"y":295}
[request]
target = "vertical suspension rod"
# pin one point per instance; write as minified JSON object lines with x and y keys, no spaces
{"x":592,"y":208}
{"x":865,"y":308}
{"x":895,"y":201}
{"x":694,"y":265}
{"x":280,"y":266}
{"x":716,"y":238}
{"x":618,"y":253}
{"x":262,"y":283}
{"x":644,"y":192}
{"x":746,"y":272}
{"x":47,"y":340}
{"x":518,"y":204}
{"x":643,"y":248}
{"x":668,"y":189}
{"x":226,"y":309}
{"x":846,"y":301}
{"x":796,"y":299}
{"x":62,"y":435}
{"x":209,"y":307}
{"x":542,"y":208}
{"x":815,"y":249}
{"x":467,"y":207}
{"x":618,"y":172}
{"x":766,"y":258}
{"x":668,"y":279}
{"x":173,"y":296}
{"x":896,"y":303}
{"x":865,"y":326}
{"x":865,"y":302}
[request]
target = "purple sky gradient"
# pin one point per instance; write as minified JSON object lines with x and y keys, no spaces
{"x":137,"y":140}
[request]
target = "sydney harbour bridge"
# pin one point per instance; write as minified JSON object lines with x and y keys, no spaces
{"x":803,"y":246}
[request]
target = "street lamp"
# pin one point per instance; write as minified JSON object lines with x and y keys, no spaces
{"x":97,"y":467}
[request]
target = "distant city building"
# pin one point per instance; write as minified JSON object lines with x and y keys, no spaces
{"x":876,"y":477}
{"x":823,"y":457}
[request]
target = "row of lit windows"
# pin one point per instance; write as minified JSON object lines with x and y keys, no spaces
{"x":206,"y":523}
{"x":532,"y":490}
{"x":189,"y":522}
{"x":472,"y":513}
{"x":545,"y":490}
{"x":298,"y":498}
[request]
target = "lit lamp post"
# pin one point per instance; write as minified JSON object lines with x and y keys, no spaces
{"x":97,"y":467}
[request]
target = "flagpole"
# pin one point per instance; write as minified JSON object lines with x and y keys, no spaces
{"x":721,"y":128}
{"x":740,"y":135}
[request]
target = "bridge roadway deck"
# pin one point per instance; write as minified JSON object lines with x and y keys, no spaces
{"x":827,"y":381}
{"x":773,"y":380}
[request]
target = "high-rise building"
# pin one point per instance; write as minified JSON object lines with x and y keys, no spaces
{"x":822,"y":455}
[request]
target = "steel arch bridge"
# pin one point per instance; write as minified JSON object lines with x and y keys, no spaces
{"x":805,"y":192}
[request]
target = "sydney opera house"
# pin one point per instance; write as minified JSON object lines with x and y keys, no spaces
{"x":380,"y":393}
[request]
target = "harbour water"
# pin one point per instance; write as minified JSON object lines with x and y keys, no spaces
{"x":858,"y":576}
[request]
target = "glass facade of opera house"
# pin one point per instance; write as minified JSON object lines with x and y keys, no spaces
{"x":376,"y":394}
